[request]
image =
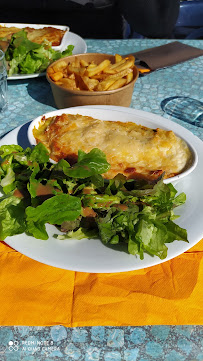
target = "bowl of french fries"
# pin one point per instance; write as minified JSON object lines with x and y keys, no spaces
{"x":92,"y":79}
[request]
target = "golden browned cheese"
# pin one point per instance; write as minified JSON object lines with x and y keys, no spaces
{"x":6,"y":32}
{"x":53,"y":35}
{"x":131,"y":149}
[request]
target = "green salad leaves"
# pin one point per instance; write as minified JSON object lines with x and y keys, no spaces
{"x":26,"y":57}
{"x":81,"y":203}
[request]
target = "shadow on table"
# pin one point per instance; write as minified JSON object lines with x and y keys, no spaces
{"x":40,"y":90}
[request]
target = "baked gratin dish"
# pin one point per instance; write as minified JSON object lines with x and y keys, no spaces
{"x":132,"y":150}
{"x":49,"y":33}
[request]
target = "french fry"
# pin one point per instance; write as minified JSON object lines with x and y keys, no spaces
{"x":105,"y":84}
{"x":119,"y":83}
{"x":56,"y":76}
{"x":75,"y":70}
{"x":113,"y":68}
{"x":91,"y":65}
{"x":50,"y":71}
{"x":100,"y":76}
{"x":121,"y":74}
{"x":60,"y":66}
{"x":83,"y":75}
{"x":76,"y":63}
{"x":84,"y":63}
{"x":97,"y":69}
{"x":80,"y":82}
{"x":90,"y":83}
{"x":127,"y":64}
{"x":129,"y":77}
{"x":85,"y":83}
{"x":72,"y":76}
{"x":118,"y":58}
{"x":67,"y":83}
{"x":65,"y":73}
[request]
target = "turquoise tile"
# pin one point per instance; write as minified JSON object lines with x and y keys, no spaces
{"x":131,"y":354}
{"x":72,"y":352}
{"x":174,"y":356}
{"x":115,"y":338}
{"x":112,"y":356}
{"x":154,"y":349}
{"x":79,"y":335}
{"x":92,"y":354}
{"x":138,"y":336}
{"x":58,"y":333}
{"x":184,"y":345}
{"x":97,"y":333}
{"x":160,"y":333}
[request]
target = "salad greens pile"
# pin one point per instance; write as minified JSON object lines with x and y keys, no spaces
{"x":81,"y":203}
{"x":26,"y":57}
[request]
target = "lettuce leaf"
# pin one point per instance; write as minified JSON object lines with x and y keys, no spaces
{"x":55,"y":210}
{"x":89,"y":164}
{"x":137,"y":214}
{"x":12,"y":216}
{"x":26,"y":57}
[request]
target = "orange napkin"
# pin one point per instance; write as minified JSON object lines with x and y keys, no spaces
{"x":35,"y":294}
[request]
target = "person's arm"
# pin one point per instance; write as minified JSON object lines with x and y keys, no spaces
{"x":151,"y":18}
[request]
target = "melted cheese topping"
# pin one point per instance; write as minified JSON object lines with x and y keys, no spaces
{"x":131,"y":149}
{"x":53,"y":35}
{"x":7,"y":33}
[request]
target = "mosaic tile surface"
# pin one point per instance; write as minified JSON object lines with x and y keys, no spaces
{"x":31,"y":98}
{"x":149,"y":343}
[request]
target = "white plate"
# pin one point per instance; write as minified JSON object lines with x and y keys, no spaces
{"x":70,"y":38}
{"x":88,"y":255}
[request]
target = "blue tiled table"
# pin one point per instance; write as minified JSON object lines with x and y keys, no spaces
{"x":32,"y":97}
